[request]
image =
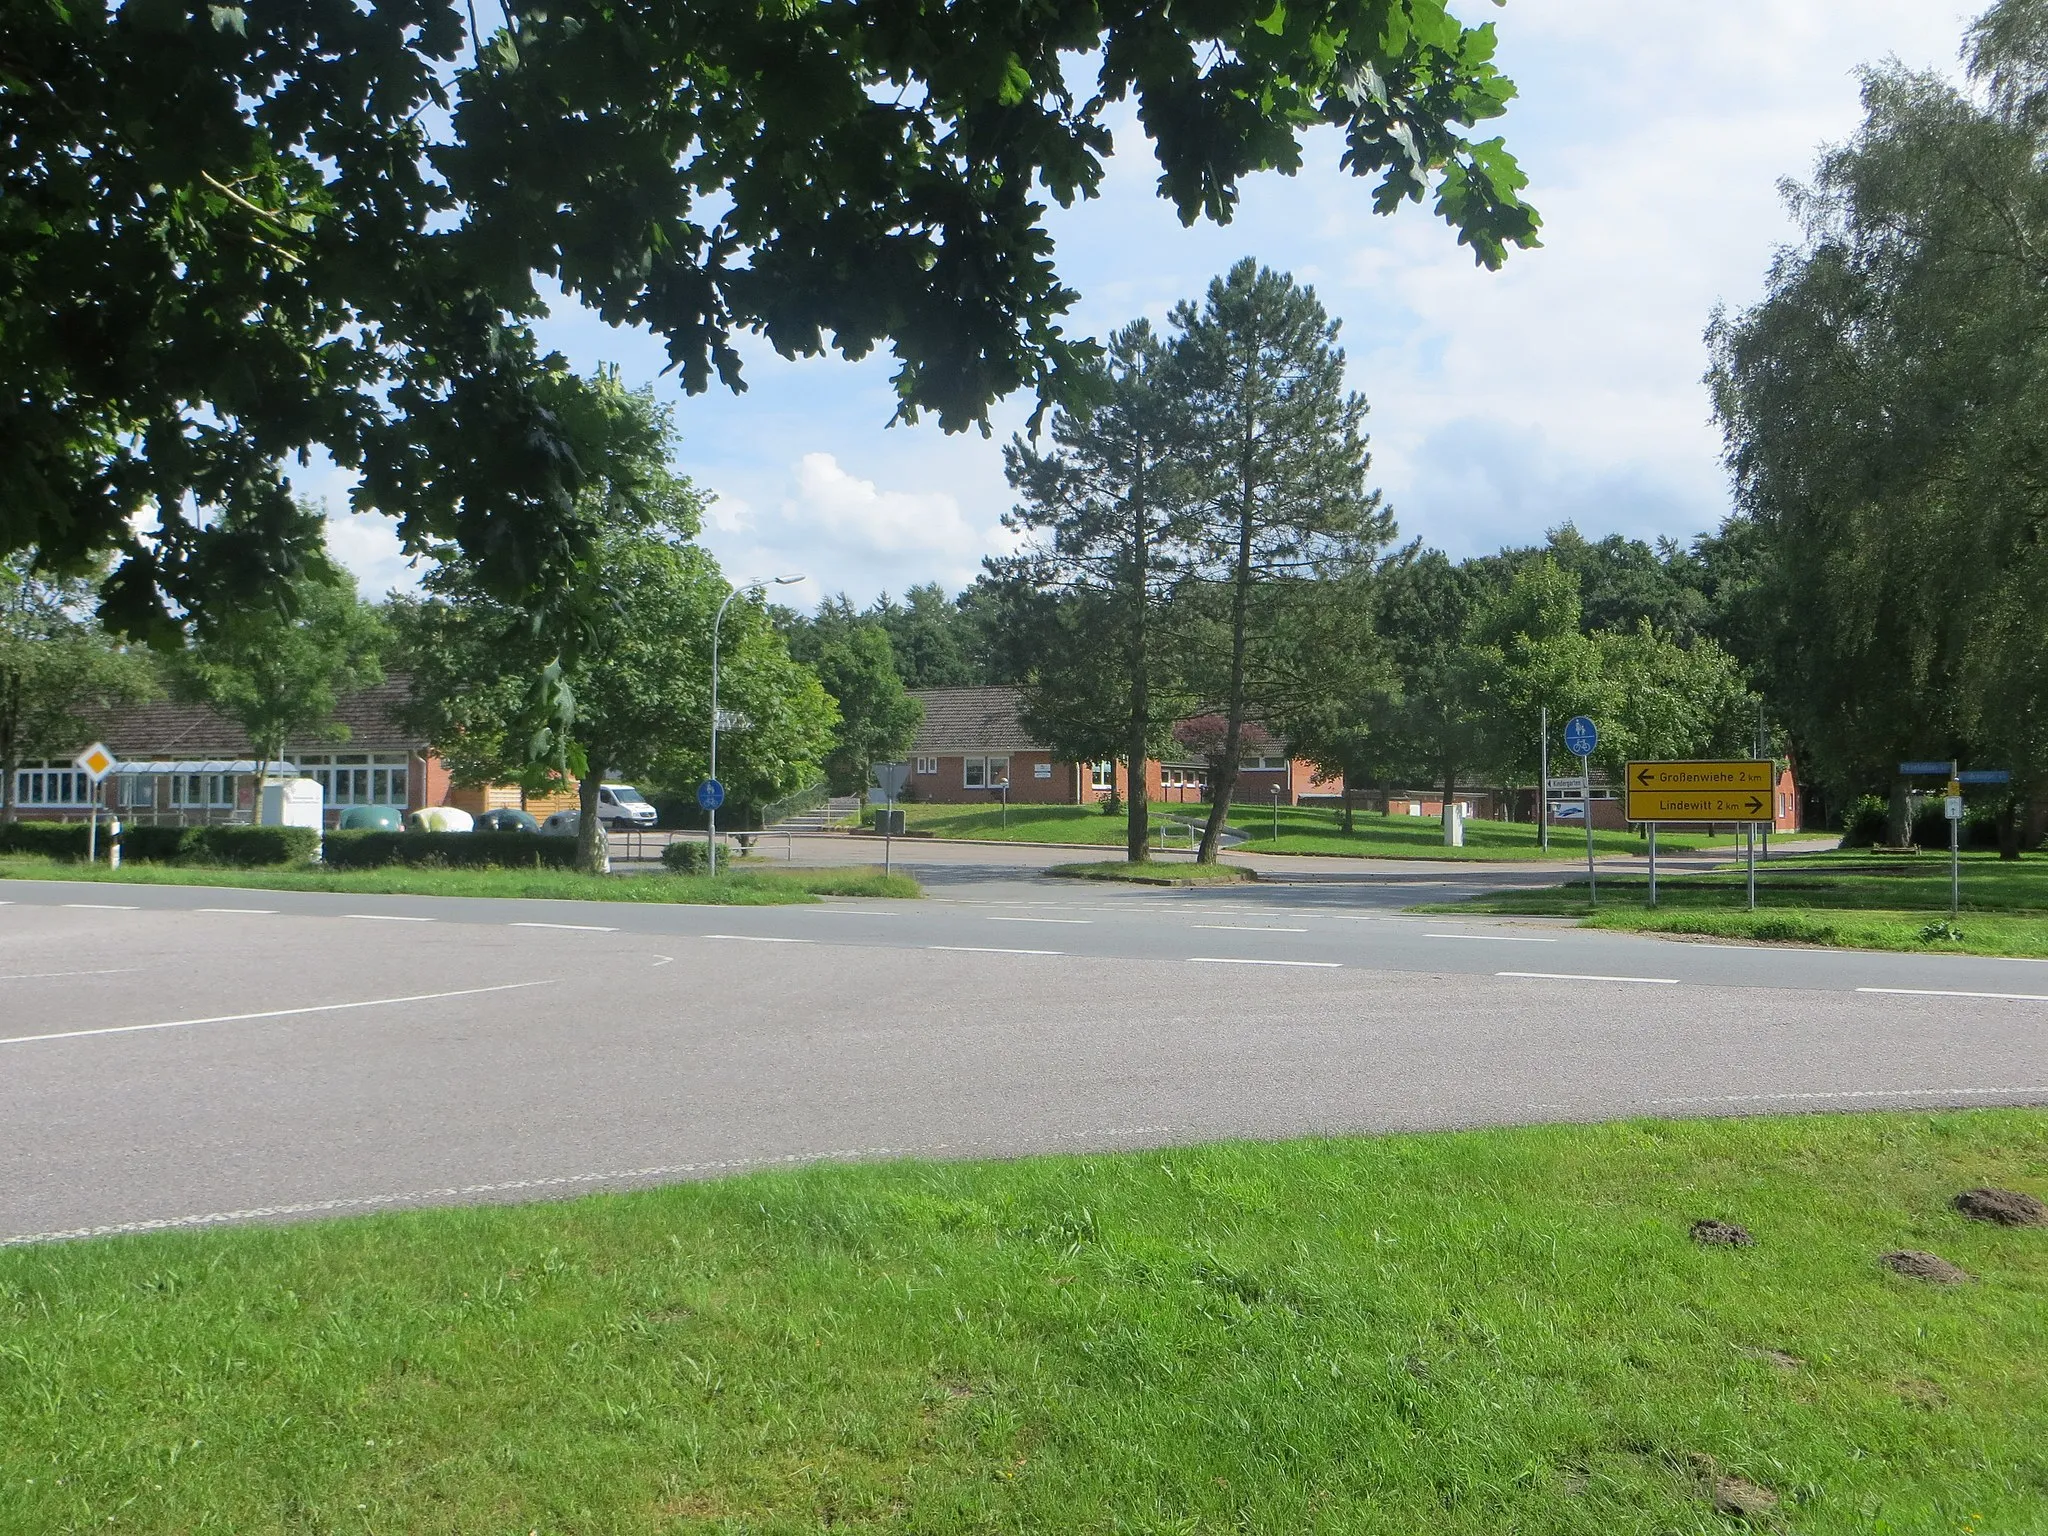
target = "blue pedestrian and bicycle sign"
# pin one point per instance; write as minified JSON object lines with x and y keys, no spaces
{"x":710,"y":795}
{"x":1580,"y":738}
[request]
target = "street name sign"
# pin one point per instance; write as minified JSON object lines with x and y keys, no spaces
{"x":1915,"y":770}
{"x":1985,"y":776}
{"x":1741,"y":789}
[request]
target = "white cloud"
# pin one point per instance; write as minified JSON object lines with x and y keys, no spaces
{"x":846,"y":531}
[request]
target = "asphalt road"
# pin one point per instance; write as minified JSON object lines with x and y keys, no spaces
{"x":181,"y":1056}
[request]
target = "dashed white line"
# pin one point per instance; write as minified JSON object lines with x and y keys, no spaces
{"x":1492,"y":938}
{"x":569,"y":927}
{"x":1244,"y":928}
{"x":1317,"y":965}
{"x":385,"y":917}
{"x":100,"y":906}
{"x":753,"y":938}
{"x":1645,"y":981}
{"x":988,"y":949}
{"x":1081,"y":921}
{"x":275,"y":1013}
{"x":1856,"y":1093}
{"x":2004,"y":997}
{"x":241,"y":911}
{"x":119,"y":970}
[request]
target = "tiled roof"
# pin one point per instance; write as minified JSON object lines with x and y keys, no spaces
{"x":168,"y":729}
{"x":971,"y":720}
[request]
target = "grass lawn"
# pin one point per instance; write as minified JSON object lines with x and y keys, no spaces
{"x":1846,"y":899}
{"x":1156,"y":872}
{"x":1318,"y":830}
{"x":742,"y":888}
{"x":1303,"y":829}
{"x":1490,"y":1332}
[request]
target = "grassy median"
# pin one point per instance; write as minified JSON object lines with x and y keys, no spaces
{"x":1847,"y":900}
{"x":743,"y":887}
{"x":1303,"y":829}
{"x":1472,"y":1333}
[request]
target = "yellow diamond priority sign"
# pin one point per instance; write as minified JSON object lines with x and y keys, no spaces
{"x":1740,"y":789}
{"x":96,"y":760}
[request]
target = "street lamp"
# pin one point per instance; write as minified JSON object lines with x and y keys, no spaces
{"x":711,"y":811}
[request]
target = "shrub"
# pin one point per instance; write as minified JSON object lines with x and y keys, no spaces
{"x":685,"y":855}
{"x":1866,"y":823}
{"x":50,"y":839}
{"x":152,"y":845}
{"x":451,"y":850}
{"x":249,"y":847}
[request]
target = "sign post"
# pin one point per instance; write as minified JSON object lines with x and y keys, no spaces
{"x":890,"y":779}
{"x":1582,"y":739}
{"x":1543,"y":777}
{"x":95,"y":762}
{"x":1952,"y":807}
{"x":710,"y":796}
{"x":1740,"y":790}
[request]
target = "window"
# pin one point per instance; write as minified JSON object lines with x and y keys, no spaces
{"x":380,"y":780}
{"x":1102,"y":776}
{"x":1262,"y":765}
{"x":202,"y":791}
{"x":974,"y":772}
{"x":927,"y":765}
{"x":135,"y":789}
{"x":51,"y":786}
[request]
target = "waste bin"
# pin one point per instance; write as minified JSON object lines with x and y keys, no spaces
{"x":1454,"y":824}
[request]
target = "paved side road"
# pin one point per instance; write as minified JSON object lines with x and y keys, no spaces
{"x":171,"y":1057}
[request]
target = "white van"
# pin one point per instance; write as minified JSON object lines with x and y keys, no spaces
{"x":621,"y":807}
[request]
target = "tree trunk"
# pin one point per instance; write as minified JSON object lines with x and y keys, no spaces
{"x":1233,"y":731}
{"x":1450,"y":787}
{"x":1900,"y":817}
{"x":593,"y":848}
{"x":2009,"y":828}
{"x":1349,"y":827}
{"x":1138,"y":818}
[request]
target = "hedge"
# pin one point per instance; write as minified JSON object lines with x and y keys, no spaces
{"x":454,"y":850}
{"x":233,"y":846}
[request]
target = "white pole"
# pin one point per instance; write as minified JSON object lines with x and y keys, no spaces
{"x":1592,"y":877}
{"x":1543,"y":790}
{"x":1653,"y":863}
{"x":1752,"y":866}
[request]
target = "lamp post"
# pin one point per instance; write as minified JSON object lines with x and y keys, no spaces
{"x":711,"y":811}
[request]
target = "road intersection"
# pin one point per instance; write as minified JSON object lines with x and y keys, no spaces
{"x":175,"y":1056}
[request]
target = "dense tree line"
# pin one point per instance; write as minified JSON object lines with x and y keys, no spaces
{"x":1887,"y":574}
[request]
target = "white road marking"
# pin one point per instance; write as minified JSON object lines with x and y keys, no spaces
{"x":275,"y":1013}
{"x":1082,"y":921}
{"x":986,"y":949}
{"x":1244,"y":928}
{"x":119,"y":970}
{"x":1855,"y":1093}
{"x":385,"y":917}
{"x":1646,"y":981}
{"x":661,"y":960}
{"x":571,"y":927}
{"x":2005,"y":997}
{"x":1491,"y":938}
{"x":615,"y":1175}
{"x":99,"y":906}
{"x":242,"y":911}
{"x":1319,"y":965}
{"x":752,"y":938}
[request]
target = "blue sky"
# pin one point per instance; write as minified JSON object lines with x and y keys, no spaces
{"x":1655,"y":133}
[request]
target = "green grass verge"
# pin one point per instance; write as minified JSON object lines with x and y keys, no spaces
{"x":1844,"y":900}
{"x":1303,"y":829}
{"x":1158,"y":872}
{"x":1473,"y":1333}
{"x":742,"y":888}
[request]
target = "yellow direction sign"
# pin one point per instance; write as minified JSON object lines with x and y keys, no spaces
{"x":1743,"y":789}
